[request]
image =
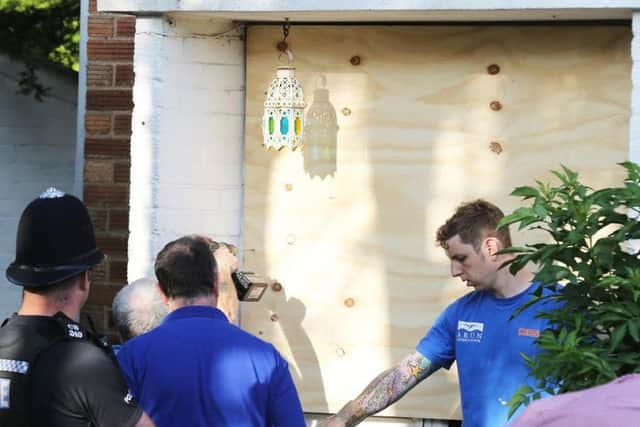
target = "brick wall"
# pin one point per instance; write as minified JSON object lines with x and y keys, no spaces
{"x":109,"y":104}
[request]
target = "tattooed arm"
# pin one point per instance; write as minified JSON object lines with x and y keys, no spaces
{"x":384,"y":390}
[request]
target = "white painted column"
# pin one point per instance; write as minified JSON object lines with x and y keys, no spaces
{"x":187,"y":141}
{"x":634,"y":122}
{"x":78,"y":177}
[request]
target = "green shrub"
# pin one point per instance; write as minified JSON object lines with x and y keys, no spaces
{"x":596,"y":332}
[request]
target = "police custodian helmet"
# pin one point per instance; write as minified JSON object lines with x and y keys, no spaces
{"x":55,"y":241}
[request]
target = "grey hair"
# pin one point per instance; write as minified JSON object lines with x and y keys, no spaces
{"x":138,"y":308}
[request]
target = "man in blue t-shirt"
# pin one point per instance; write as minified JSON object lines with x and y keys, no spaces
{"x":196,"y":369}
{"x":475,"y":330}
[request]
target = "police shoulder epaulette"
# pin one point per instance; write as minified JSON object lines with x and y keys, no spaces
{"x":69,"y":327}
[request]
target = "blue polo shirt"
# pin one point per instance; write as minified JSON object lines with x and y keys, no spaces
{"x":197,"y":369}
{"x":477,"y":332}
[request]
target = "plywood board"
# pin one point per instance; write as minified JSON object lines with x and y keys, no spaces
{"x":396,"y":143}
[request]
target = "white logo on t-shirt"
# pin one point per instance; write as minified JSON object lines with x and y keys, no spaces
{"x":128,"y":398}
{"x":469,"y":331}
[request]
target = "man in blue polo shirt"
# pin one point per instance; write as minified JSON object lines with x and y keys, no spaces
{"x":475,"y":331}
{"x":197,"y":369}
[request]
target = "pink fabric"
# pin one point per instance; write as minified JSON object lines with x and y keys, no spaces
{"x":616,"y":404}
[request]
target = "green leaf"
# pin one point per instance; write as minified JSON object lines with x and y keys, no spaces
{"x":617,"y":336}
{"x":525,"y":192}
{"x":634,"y":330}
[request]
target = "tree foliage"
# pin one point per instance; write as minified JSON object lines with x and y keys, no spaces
{"x":595,"y":335}
{"x":35,"y":31}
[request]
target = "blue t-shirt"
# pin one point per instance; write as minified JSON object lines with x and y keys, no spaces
{"x":197,"y":369}
{"x":475,"y":331}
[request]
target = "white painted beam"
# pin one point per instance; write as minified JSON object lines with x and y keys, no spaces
{"x":385,"y":10}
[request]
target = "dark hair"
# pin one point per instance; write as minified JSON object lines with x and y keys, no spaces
{"x":473,"y":222}
{"x":186,"y":268}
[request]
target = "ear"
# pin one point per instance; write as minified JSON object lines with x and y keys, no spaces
{"x":165,"y":299}
{"x":83,"y":281}
{"x":492,"y":245}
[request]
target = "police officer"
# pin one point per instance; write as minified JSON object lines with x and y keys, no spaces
{"x":52,"y":372}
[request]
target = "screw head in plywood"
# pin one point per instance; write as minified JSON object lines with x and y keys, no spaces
{"x":496,"y":147}
{"x":349,"y":302}
{"x":276,"y":286}
{"x":495,"y":105}
{"x":274,"y":317}
{"x":355,"y":60}
{"x":493,"y":69}
{"x":288,"y":187}
{"x":346,"y":111}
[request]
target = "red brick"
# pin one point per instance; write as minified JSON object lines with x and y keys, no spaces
{"x":100,"y":26}
{"x":110,"y":147}
{"x":98,"y":171}
{"x":99,"y":219}
{"x":110,"y":50}
{"x":99,"y":75}
{"x":102,"y":294}
{"x":126,"y":26}
{"x":122,"y":124}
{"x":106,"y":100}
{"x":93,"y":6}
{"x":118,"y":271}
{"x":98,"y":272}
{"x":121,"y":173}
{"x":113,"y":246}
{"x":124,"y":75}
{"x":97,"y":123}
{"x":118,"y":220}
{"x":95,"y":194}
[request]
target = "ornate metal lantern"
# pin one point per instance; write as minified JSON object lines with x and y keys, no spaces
{"x":283,"y":120}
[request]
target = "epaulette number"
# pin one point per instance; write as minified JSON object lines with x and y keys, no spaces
{"x":74,"y":331}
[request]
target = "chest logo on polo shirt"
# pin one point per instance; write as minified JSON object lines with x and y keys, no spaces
{"x":469,"y":331}
{"x":528,"y":332}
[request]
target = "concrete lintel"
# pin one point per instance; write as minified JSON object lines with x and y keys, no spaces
{"x":385,"y":10}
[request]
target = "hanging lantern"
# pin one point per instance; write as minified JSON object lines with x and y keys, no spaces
{"x":283,"y":120}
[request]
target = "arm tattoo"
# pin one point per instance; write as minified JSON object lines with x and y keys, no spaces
{"x":388,"y":387}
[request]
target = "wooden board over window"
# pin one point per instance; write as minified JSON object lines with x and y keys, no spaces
{"x":396,"y":143}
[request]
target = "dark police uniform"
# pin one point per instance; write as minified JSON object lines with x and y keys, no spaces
{"x":53,"y":374}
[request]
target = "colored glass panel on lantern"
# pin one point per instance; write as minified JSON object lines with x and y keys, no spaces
{"x":284,"y":125}
{"x":298,"y":125}
{"x":271,"y":125}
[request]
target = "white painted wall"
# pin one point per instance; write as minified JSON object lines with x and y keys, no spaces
{"x":188,"y":124}
{"x":37,"y":150}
